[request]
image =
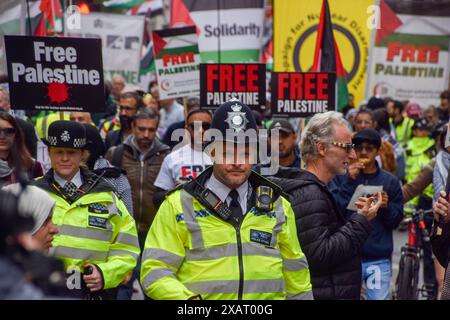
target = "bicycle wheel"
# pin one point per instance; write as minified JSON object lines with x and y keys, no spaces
{"x":407,"y":279}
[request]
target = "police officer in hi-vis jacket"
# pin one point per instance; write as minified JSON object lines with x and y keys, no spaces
{"x":97,"y":235}
{"x":229,"y":233}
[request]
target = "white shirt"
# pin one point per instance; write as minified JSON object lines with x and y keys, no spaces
{"x":76,"y":179}
{"x":222,"y":191}
{"x":181,"y":163}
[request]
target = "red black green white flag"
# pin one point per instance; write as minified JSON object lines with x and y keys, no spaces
{"x":327,"y":57}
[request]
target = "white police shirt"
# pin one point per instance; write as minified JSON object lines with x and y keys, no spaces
{"x":222,"y":191}
{"x":181,"y":164}
{"x":76,"y":179}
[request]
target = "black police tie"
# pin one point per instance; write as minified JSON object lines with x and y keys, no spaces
{"x":70,"y":188}
{"x":235,"y":206}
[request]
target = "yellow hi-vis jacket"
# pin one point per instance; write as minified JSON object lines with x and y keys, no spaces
{"x":96,"y":229}
{"x":44,"y":122}
{"x":189,"y":251}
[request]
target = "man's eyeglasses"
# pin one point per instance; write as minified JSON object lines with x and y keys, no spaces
{"x":205,"y":126}
{"x":348,"y":147}
{"x":7,"y":131}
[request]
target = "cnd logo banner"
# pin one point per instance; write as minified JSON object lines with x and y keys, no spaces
{"x":59,"y":74}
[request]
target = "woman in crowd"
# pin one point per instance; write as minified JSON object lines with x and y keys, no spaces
{"x":14,"y":156}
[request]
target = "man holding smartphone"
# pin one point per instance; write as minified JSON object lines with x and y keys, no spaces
{"x":377,"y":250}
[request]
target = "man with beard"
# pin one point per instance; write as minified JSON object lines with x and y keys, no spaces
{"x":332,"y":244}
{"x":229,"y":234}
{"x":377,"y":250}
{"x":141,"y":156}
{"x":186,"y":161}
{"x":129,"y":104}
{"x":289,"y":155}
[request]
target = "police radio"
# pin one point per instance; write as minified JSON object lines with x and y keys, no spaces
{"x":212,"y":202}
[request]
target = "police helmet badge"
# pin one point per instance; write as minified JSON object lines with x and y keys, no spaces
{"x":65,"y":136}
{"x":236,"y":119}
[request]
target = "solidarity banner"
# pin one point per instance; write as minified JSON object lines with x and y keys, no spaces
{"x":229,"y":31}
{"x":302,"y":94}
{"x":295,"y":33}
{"x":412,"y":63}
{"x":49,"y":73}
{"x":177,"y":61}
{"x":221,"y":82}
{"x":121,"y":37}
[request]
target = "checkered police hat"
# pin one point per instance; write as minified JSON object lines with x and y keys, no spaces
{"x":66,"y":134}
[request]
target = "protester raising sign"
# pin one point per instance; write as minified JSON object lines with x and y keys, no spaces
{"x":221,"y":82}
{"x":302,"y":94}
{"x":63,"y":74}
{"x":177,"y":62}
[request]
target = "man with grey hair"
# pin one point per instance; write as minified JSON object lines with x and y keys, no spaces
{"x":332,"y":243}
{"x":432,"y":115}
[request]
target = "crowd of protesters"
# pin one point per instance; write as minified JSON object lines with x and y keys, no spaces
{"x":142,"y":147}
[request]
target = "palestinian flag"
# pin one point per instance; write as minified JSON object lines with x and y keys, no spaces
{"x":180,"y":15}
{"x":51,"y":19}
{"x":10,"y":16}
{"x":389,"y":22}
{"x":148,"y":7}
{"x":327,"y":58}
{"x":147,"y":61}
{"x":122,"y":4}
{"x":228,"y":31}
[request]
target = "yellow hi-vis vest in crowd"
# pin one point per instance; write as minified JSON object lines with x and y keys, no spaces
{"x":96,"y":228}
{"x":419,"y":152}
{"x":189,"y":252}
{"x":43,"y":123}
{"x":403,"y":132}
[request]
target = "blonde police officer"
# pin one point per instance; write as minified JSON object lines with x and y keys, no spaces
{"x":228,"y":234}
{"x":96,"y":232}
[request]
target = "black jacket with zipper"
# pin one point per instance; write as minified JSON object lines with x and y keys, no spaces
{"x":331,"y":243}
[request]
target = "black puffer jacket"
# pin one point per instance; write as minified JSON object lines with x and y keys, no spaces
{"x":331,"y":244}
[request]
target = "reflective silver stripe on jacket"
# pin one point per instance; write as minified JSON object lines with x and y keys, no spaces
{"x":308,"y":295}
{"x":44,"y":127}
{"x":112,"y":207}
{"x":191,"y":222}
{"x":279,"y":213}
{"x":295,"y":264}
{"x":127,"y":239}
{"x":113,"y":253}
{"x":164,"y":256}
{"x":232,"y":286}
{"x":85,"y":233}
{"x":75,"y":253}
{"x":155,"y":275}
{"x":230,"y":250}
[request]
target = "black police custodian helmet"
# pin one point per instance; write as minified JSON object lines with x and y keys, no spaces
{"x":421,"y":123}
{"x":235,"y":121}
{"x":66,"y":134}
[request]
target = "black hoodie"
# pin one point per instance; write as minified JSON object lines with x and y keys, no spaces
{"x":332,"y":245}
